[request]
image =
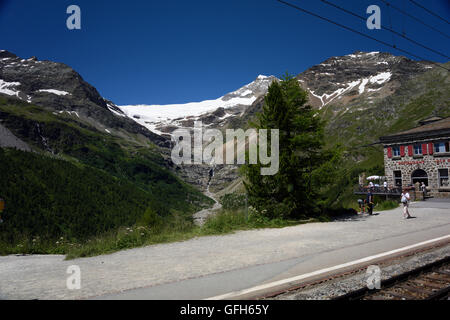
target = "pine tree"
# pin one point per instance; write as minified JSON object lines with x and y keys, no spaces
{"x":292,"y":192}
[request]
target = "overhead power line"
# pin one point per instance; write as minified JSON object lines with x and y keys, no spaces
{"x":390,"y":23}
{"x":403,"y":18}
{"x":386,"y":28}
{"x":415,"y":18}
{"x":429,"y":11}
{"x":358,"y":32}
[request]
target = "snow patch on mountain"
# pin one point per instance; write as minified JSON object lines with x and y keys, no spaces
{"x":381,"y":78}
{"x":377,"y":79}
{"x":154,"y":116}
{"x":151,"y":116}
{"x":326,"y":98}
{"x":8,"y":88}
{"x":54,"y":91}
{"x":114,"y":109}
{"x":362,"y":87}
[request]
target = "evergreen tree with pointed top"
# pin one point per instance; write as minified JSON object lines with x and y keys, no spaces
{"x":292,"y":192}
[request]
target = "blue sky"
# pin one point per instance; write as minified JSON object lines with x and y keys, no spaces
{"x":160,"y":52}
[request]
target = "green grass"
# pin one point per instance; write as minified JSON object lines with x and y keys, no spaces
{"x":230,"y":220}
{"x":172,"y":229}
{"x":381,"y":204}
{"x":225,"y":222}
{"x":387,"y":205}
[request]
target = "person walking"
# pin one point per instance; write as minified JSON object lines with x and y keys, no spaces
{"x":405,"y":201}
{"x":369,"y":201}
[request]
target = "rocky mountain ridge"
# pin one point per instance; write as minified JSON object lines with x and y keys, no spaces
{"x":361,"y":75}
{"x":369,"y":87}
{"x":363,"y":86}
{"x":340,"y":81}
{"x":164,"y":119}
{"x":57,"y":87}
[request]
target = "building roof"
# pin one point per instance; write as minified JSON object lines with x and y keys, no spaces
{"x":429,"y":120}
{"x":433,"y":128}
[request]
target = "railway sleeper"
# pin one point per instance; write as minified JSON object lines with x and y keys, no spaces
{"x":401,"y":294}
{"x":428,"y":284}
{"x":416,"y":290}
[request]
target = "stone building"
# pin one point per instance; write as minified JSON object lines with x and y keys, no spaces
{"x":420,"y":155}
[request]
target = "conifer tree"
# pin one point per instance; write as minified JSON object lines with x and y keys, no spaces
{"x":291,"y":193}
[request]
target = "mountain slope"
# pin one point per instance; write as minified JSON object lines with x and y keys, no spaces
{"x":72,"y":129}
{"x":365,"y":95}
{"x":57,"y":87}
{"x":362,"y":96}
{"x":417,"y":97}
{"x":362,"y":76}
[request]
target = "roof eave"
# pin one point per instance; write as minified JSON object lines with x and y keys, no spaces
{"x":415,"y":136}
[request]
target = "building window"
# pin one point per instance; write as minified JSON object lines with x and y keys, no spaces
{"x":398,"y":178}
{"x":418,"y":150}
{"x":396,"y":151}
{"x":441,"y":147}
{"x":443,"y":178}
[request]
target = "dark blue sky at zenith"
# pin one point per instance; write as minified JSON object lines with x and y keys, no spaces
{"x":160,"y":52}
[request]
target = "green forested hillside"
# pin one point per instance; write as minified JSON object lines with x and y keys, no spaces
{"x":55,"y":198}
{"x":81,"y":182}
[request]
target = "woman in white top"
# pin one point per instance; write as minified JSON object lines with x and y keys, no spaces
{"x":405,"y":202}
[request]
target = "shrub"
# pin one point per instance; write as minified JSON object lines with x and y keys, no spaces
{"x":150,"y":218}
{"x":233,"y":201}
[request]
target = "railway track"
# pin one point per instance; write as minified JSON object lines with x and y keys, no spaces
{"x":435,"y":286}
{"x":430,"y":282}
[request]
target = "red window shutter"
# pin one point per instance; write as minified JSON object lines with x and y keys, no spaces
{"x":430,"y":148}
{"x":402,"y":151}
{"x":410,"y":150}
{"x":424,"y":149}
{"x":389,"y":152}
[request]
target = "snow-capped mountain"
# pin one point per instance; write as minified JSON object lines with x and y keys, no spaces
{"x":359,"y":94}
{"x":345,"y":81}
{"x":163,"y":119}
{"x":59,"y":88}
{"x":361,"y":75}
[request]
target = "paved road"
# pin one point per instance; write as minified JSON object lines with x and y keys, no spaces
{"x":210,"y":266}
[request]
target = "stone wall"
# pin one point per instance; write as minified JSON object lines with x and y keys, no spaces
{"x":408,"y":164}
